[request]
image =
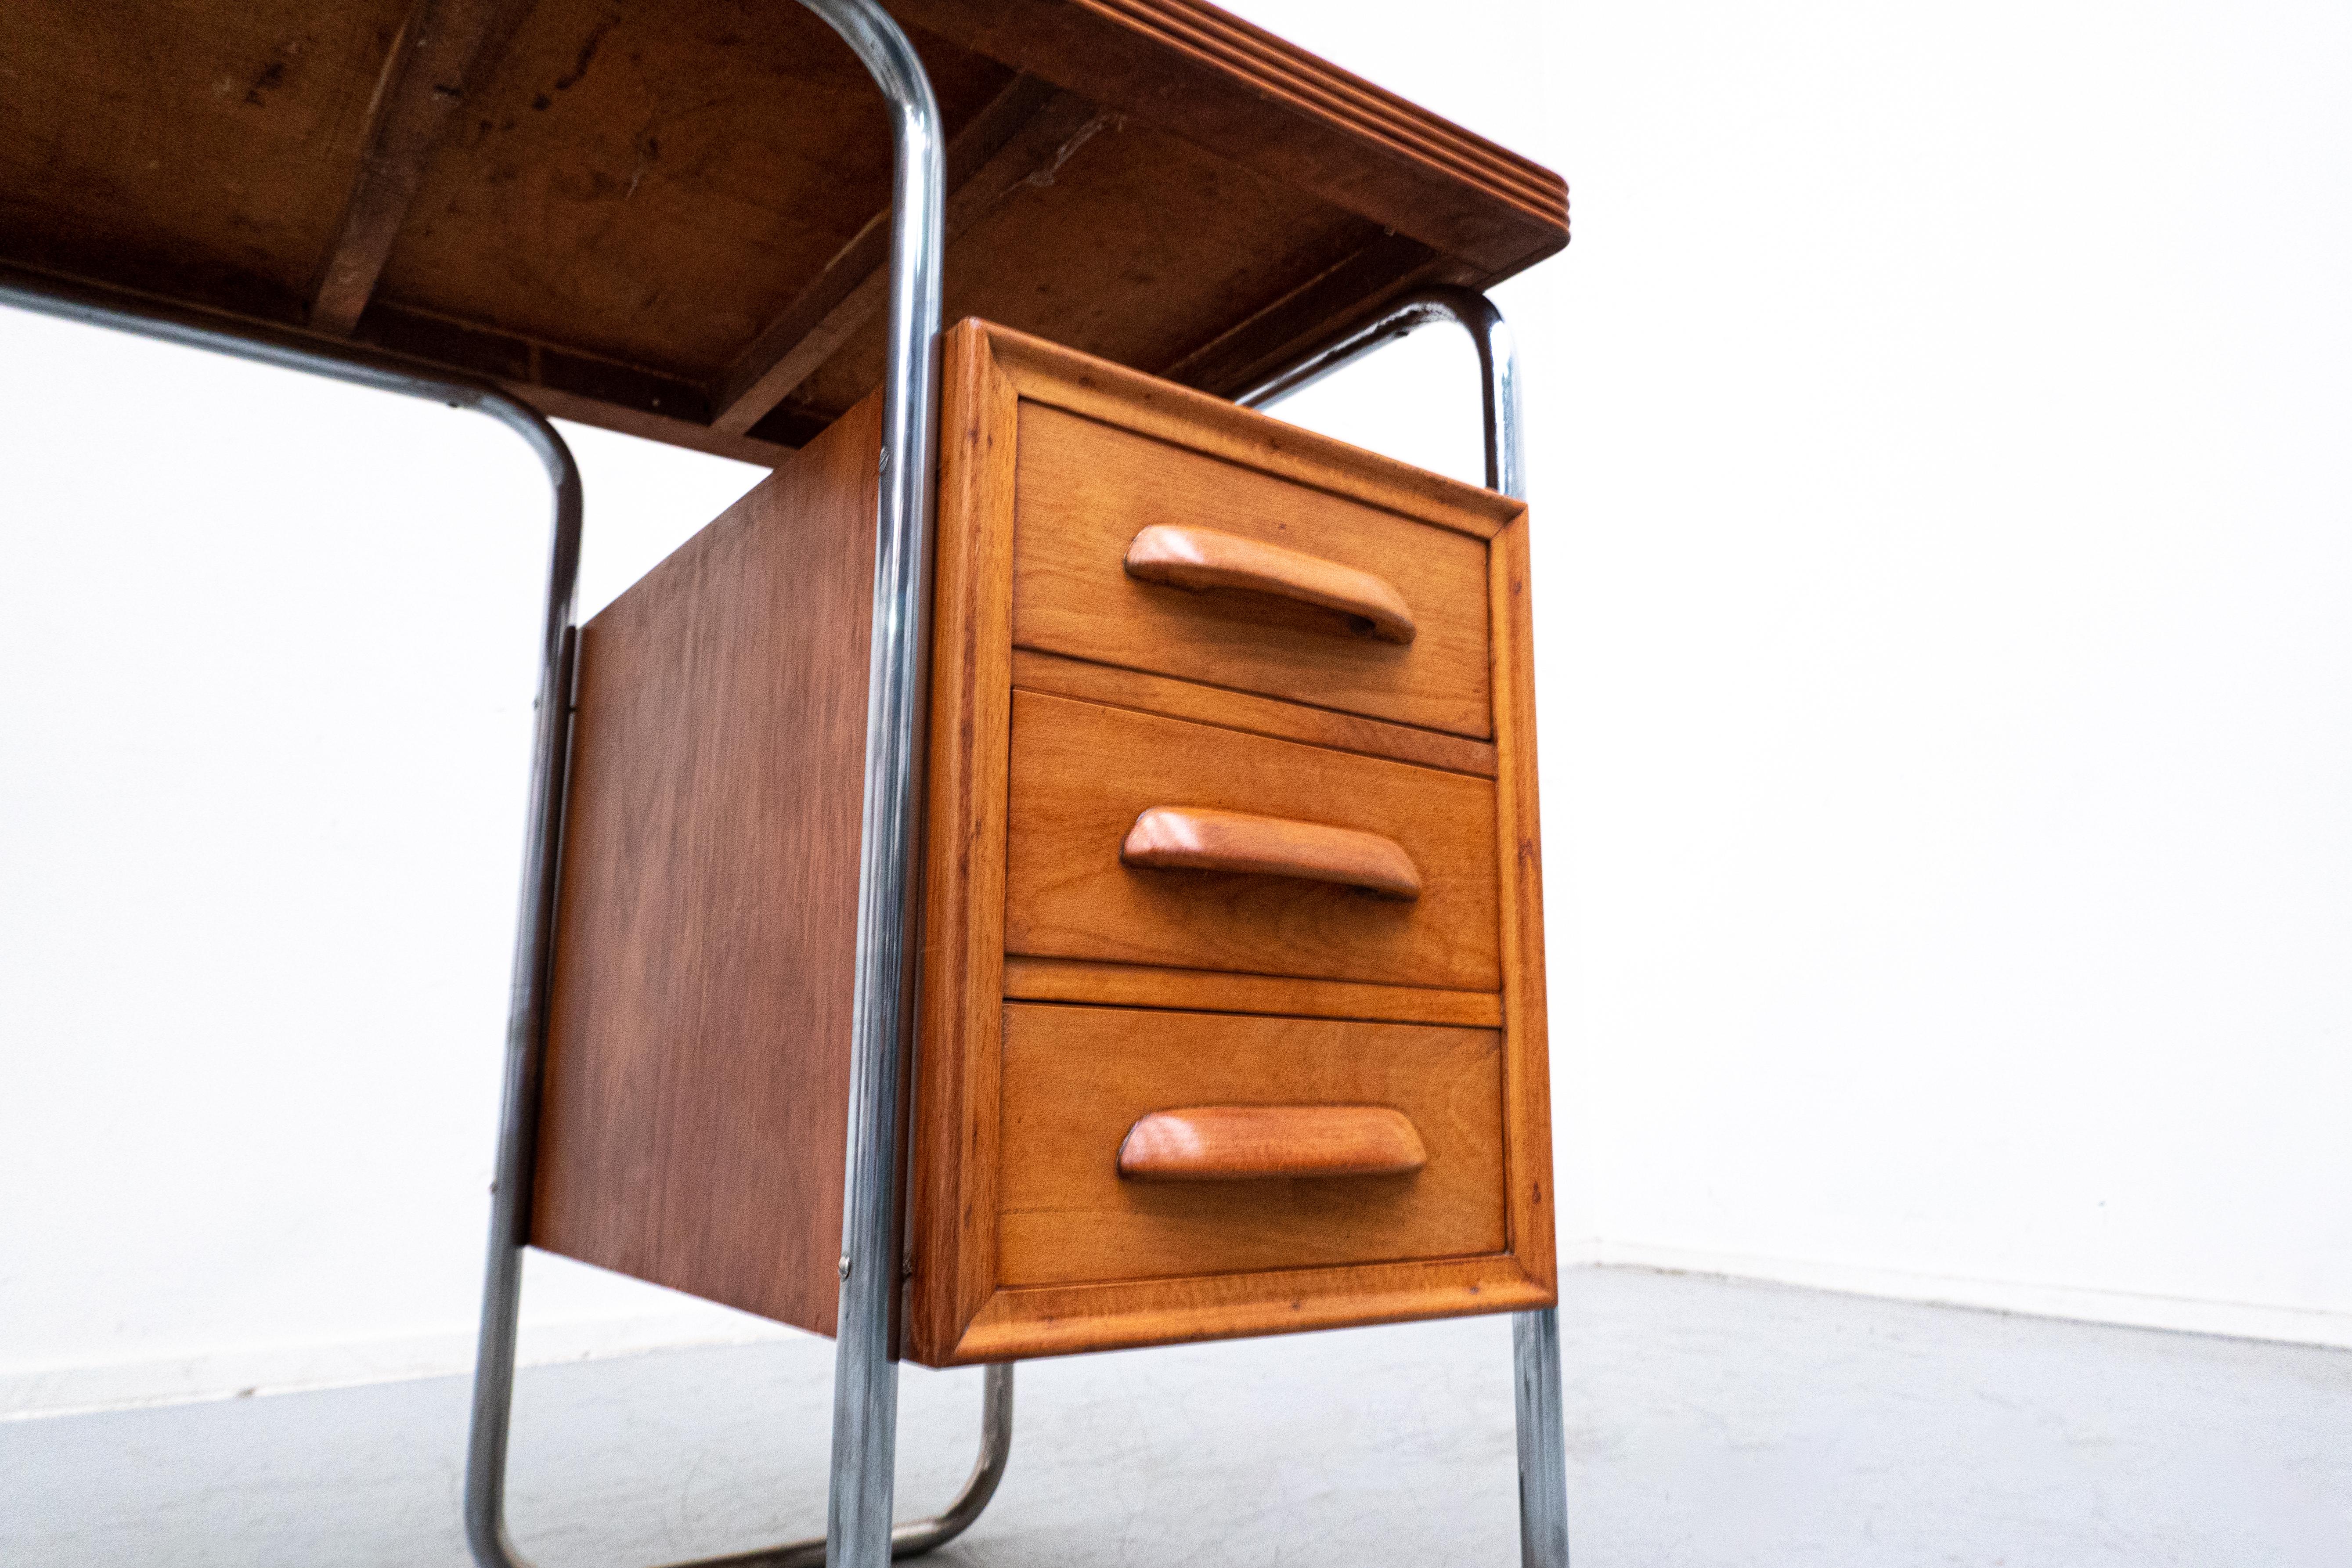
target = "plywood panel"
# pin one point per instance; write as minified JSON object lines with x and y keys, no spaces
{"x":696,"y":1078}
{"x":623,"y":200}
{"x":201,"y":150}
{"x":1134,"y":245}
{"x":654,"y":183}
{"x":1212,"y":77}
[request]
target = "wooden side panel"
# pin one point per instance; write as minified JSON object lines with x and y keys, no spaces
{"x":695,"y":1104}
{"x":1078,"y":1079}
{"x":952,"y":1211}
{"x":1082,"y":774}
{"x":1520,"y":852}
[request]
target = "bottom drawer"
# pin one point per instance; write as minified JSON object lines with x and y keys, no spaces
{"x":1077,"y":1079}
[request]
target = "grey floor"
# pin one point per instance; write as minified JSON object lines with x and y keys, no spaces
{"x":1711,"y":1423}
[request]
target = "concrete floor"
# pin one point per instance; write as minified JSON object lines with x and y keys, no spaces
{"x":1711,"y":1424}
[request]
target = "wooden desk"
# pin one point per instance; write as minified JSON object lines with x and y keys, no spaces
{"x":1230,"y":1017}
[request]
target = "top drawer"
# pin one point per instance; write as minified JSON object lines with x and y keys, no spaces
{"x":1083,"y":490}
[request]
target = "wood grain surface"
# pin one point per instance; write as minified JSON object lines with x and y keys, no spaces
{"x":1112,"y":687}
{"x":1209,"y":991}
{"x":695,"y":1093}
{"x":1081,"y":775}
{"x":443,"y":47}
{"x":1518,"y":848}
{"x":1216,"y":79}
{"x":1063,"y":1320}
{"x":1088,"y":488}
{"x":662,"y":218}
{"x":1051,"y":376}
{"x":1019,"y":134}
{"x":1260,"y":1143}
{"x":1078,"y":1079}
{"x":951,"y":1198}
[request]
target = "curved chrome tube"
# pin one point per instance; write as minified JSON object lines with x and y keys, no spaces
{"x":526,"y":1012}
{"x":864,"y":1421}
{"x":1498,"y":373}
{"x":912,"y":1540}
{"x":995,"y":1451}
{"x":1535,"y":1336}
{"x":865,"y":1368}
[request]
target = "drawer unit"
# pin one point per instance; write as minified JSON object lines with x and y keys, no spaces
{"x":1230,"y":1010}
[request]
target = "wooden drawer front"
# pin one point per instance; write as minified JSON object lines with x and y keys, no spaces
{"x":1076,"y":1079}
{"x":1085,"y":490}
{"x":1082,"y":774}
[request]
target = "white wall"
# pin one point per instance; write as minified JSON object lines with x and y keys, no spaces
{"x":271,"y":655}
{"x":1943,"y":462}
{"x":1945,"y":449}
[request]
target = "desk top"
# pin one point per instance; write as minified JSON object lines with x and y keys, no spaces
{"x":671,"y":219}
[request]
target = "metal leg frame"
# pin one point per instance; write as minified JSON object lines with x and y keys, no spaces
{"x":859,"y":1531}
{"x":1535,"y":1336}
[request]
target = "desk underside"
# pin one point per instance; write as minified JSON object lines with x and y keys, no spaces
{"x":671,"y":219}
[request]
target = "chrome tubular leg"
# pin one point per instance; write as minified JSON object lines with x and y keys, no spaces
{"x":1497,"y":368}
{"x":864,"y":1446}
{"x":494,"y":1364}
{"x":1543,"y":1445}
{"x":1535,"y":1336}
{"x":865,"y":1368}
{"x":866,"y":1373}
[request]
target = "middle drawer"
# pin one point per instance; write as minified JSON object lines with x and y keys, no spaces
{"x":1083,"y":775}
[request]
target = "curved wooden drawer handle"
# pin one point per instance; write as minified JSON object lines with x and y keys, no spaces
{"x":1202,"y":838}
{"x":1242,"y":1142}
{"x":1199,"y":558}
